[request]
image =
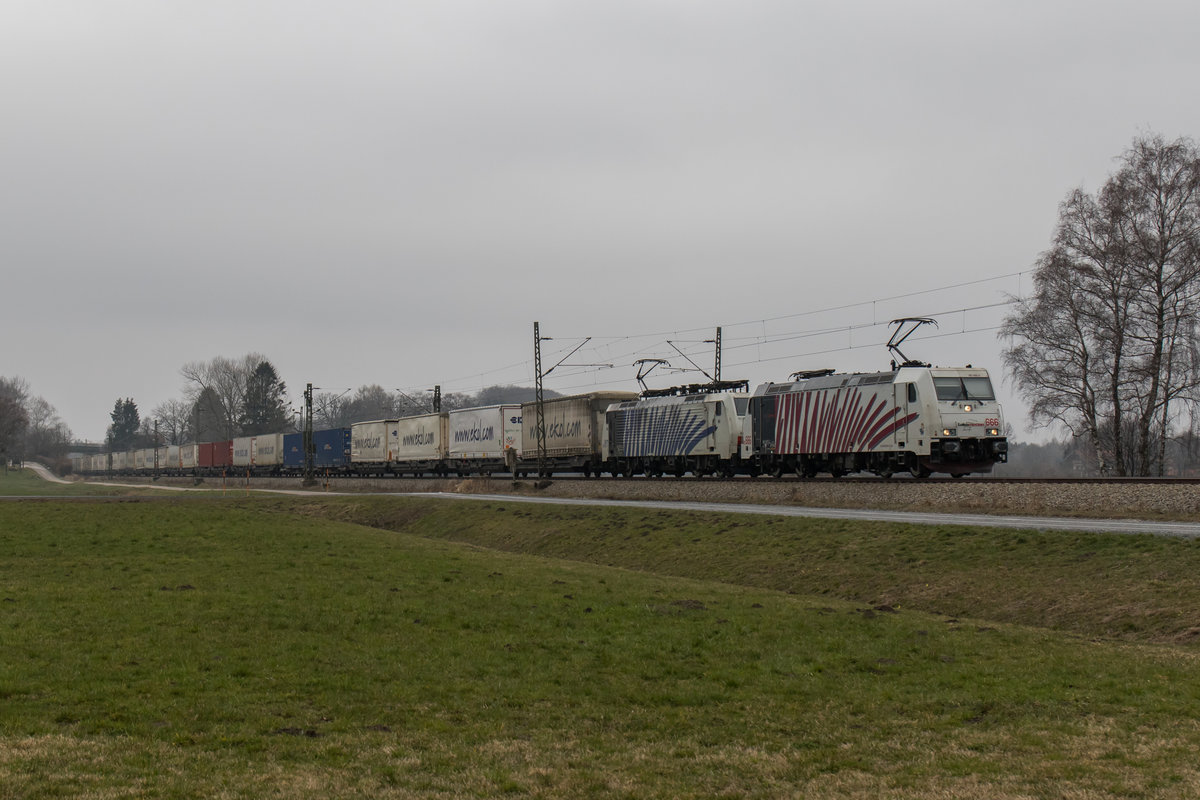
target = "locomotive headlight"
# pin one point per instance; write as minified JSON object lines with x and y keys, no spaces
{"x":993,"y":431}
{"x":967,"y":407}
{"x":949,"y":431}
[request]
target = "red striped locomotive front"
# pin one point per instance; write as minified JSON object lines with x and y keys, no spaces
{"x":882,"y":422}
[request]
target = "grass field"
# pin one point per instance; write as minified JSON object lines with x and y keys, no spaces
{"x":24,"y":482}
{"x":382,"y":647}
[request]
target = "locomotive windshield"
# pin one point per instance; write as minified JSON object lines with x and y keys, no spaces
{"x":956,"y":388}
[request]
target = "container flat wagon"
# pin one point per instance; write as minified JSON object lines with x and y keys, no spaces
{"x":484,"y":440}
{"x":574,"y":432}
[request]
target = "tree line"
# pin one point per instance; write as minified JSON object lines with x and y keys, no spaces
{"x":225,"y":398}
{"x":1106,"y":344}
{"x":29,"y":425}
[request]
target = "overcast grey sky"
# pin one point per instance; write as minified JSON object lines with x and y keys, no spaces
{"x":392,"y":192}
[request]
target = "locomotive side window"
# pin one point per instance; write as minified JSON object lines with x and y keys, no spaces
{"x":949,"y":388}
{"x":912,"y":393}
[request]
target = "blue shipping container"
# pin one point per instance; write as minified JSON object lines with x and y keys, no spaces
{"x":332,"y":448}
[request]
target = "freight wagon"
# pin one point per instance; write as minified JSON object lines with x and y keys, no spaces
{"x":260,"y":455}
{"x":484,"y":440}
{"x":574,"y":432}
{"x":331,"y":450}
{"x":422,"y":444}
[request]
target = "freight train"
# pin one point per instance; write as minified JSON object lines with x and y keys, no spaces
{"x":913,"y":418}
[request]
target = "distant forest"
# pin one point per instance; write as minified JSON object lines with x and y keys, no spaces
{"x":1071,"y":458}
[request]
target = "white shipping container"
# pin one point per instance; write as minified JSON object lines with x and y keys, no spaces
{"x":374,"y":442}
{"x":143,"y":459}
{"x":484,"y":433}
{"x":243,"y":451}
{"x":423,"y":438}
{"x":189,"y":456}
{"x":268,"y":450}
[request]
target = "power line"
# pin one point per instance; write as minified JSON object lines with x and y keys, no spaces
{"x":659,"y":348}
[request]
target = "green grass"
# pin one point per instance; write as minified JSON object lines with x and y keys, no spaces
{"x":1138,"y":588}
{"x":25,"y":482}
{"x":216,"y":647}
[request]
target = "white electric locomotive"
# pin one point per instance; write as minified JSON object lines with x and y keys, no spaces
{"x":917,"y":418}
{"x":690,"y":429}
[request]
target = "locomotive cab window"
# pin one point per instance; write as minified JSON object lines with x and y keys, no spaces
{"x":955,"y":388}
{"x":912,"y":393}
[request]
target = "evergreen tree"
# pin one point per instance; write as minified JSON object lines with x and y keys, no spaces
{"x":264,"y":405}
{"x":122,"y":434}
{"x":207,"y":420}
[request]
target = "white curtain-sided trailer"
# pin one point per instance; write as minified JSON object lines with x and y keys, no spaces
{"x":415,"y":445}
{"x":485,"y":439}
{"x":574,"y":431}
{"x":375,"y":442}
{"x":262,"y":453}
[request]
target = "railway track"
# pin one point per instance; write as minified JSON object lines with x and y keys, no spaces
{"x":736,"y":480}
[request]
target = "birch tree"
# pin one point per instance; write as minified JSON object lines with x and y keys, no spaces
{"x":1106,"y":344}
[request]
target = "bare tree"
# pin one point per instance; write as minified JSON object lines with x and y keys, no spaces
{"x":176,"y":422}
{"x":1156,"y":197}
{"x":1106,"y":344}
{"x":13,"y":422}
{"x":1055,"y":359}
{"x":374,"y":402}
{"x":47,"y":434}
{"x":330,"y":410}
{"x":222,"y":383}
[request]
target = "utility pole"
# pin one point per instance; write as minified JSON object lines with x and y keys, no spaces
{"x":156,"y":449}
{"x":310,"y":450}
{"x":540,"y":401}
{"x":437,"y":398}
{"x":717,"y":366}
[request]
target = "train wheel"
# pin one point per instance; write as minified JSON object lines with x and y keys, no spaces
{"x":919,"y":471}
